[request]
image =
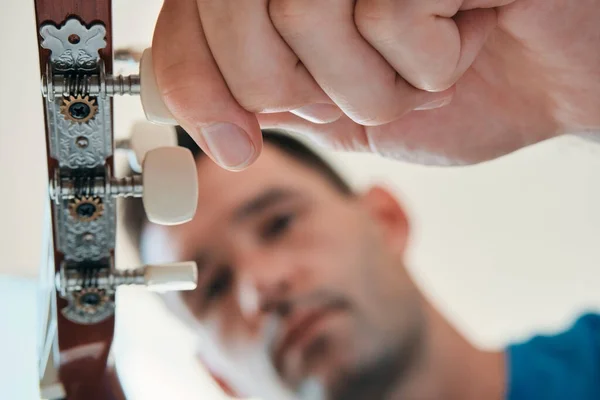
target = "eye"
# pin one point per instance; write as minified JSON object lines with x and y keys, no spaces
{"x":220,"y":284}
{"x":277,"y":226}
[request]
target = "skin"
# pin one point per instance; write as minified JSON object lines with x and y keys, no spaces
{"x":506,"y":74}
{"x":302,"y":292}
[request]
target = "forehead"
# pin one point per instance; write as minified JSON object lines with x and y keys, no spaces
{"x":221,"y":192}
{"x":219,"y":188}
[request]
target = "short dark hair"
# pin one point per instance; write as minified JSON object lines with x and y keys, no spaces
{"x":135,"y":218}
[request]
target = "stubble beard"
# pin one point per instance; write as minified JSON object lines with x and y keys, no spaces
{"x":381,"y":378}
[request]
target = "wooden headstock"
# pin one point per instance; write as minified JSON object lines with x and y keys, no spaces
{"x":80,"y":277}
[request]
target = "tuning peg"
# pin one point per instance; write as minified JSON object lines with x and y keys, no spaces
{"x":178,"y":276}
{"x":143,"y":84}
{"x":168,"y":186}
{"x":145,"y":137}
{"x":163,"y":278}
{"x":152,"y":102}
{"x":90,"y":292}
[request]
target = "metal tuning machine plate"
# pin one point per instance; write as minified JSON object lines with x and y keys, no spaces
{"x":83,"y":191}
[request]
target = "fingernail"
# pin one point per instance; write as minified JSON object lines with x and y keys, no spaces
{"x":319,"y":113}
{"x":434,"y":104}
{"x":229,"y":144}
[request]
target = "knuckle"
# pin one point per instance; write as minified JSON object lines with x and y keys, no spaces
{"x":264,"y":93}
{"x":387,"y":108}
{"x":373,"y":115}
{"x":383,"y":20}
{"x":436,"y":77}
{"x":369,"y":16}
{"x":432,"y":82}
{"x":290,"y":16}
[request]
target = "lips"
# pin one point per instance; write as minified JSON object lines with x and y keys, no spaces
{"x":300,"y":329}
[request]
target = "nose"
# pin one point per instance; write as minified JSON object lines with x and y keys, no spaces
{"x":266,"y":283}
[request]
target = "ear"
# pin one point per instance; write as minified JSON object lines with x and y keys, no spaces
{"x":387,"y":212}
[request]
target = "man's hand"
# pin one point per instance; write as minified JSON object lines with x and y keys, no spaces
{"x":373,"y":74}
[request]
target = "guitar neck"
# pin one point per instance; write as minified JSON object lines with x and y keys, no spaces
{"x":76,"y":62}
{"x":81,"y":350}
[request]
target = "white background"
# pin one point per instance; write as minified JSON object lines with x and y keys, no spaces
{"x":505,"y":249}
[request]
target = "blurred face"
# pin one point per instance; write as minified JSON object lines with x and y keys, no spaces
{"x":301,"y":289}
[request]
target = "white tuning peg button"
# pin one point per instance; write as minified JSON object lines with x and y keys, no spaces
{"x":170,"y":185}
{"x":145,"y":137}
{"x":152,"y":102}
{"x":171,"y":277}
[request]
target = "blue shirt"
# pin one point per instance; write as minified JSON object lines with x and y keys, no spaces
{"x":565,"y":366}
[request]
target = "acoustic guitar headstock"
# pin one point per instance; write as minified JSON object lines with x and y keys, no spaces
{"x":77,"y":85}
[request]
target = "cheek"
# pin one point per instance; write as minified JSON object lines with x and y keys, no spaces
{"x":347,"y":257}
{"x":330,"y":247}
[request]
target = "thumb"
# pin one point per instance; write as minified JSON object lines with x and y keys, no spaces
{"x":189,"y":83}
